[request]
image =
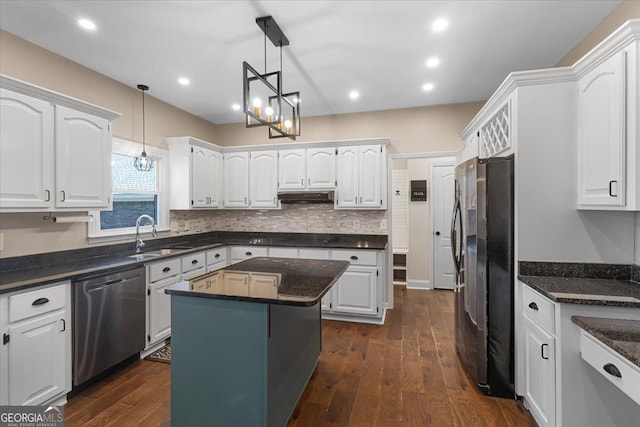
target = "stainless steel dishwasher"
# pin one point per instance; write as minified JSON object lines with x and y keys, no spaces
{"x":108,"y":321}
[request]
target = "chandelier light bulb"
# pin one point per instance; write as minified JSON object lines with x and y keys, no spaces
{"x":269,"y":112}
{"x":257,"y":104}
{"x":287,"y":126}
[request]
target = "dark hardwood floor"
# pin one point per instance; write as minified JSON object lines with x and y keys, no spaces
{"x":405,"y":373}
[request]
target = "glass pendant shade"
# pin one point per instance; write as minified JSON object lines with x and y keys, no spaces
{"x":143,"y":163}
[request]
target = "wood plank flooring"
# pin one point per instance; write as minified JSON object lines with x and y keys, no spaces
{"x":405,"y":373}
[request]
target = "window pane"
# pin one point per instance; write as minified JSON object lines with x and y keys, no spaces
{"x":127,"y":177}
{"x":126,"y":210}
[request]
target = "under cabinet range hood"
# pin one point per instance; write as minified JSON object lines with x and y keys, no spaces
{"x":306,"y":197}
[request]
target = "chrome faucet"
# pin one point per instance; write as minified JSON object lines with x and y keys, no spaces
{"x":139,"y":242}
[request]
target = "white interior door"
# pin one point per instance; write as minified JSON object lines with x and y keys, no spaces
{"x":443,"y":193}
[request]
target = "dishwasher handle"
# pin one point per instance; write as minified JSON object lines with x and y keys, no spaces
{"x":101,"y":285}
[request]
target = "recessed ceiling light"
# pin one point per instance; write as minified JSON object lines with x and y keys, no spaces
{"x":87,"y":24}
{"x":184,"y":81}
{"x":433,"y":62}
{"x":236,"y":107}
{"x":427,"y":87}
{"x":439,"y":25}
{"x":354,"y":94}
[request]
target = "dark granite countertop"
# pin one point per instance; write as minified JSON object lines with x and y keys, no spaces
{"x":301,"y":282}
{"x":35,"y":270}
{"x":621,"y":335}
{"x":577,"y":290}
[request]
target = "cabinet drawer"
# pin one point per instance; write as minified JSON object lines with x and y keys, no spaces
{"x":194,"y":273}
{"x":245,"y":252}
{"x":315,"y":254}
{"x":538,"y":308}
{"x":163,"y":269}
{"x":36,"y":302}
{"x":356,"y":257}
{"x":216,"y":256}
{"x":193,"y":261}
{"x":598,"y":355}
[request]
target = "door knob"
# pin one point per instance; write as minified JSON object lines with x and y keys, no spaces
{"x":437,"y":233}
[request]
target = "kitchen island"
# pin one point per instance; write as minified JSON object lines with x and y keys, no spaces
{"x":246,"y":339}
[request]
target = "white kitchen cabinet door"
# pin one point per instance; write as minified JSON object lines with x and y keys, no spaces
{"x":263,"y":173}
{"x":601,"y":134}
{"x":540,"y":377}
{"x":83,"y":160}
{"x":159,"y":311}
{"x":37,"y":359}
{"x":205,"y":177}
{"x":370,"y":176}
{"x":321,"y":168}
{"x":355,"y":291}
{"x":347,"y":175}
{"x":292,"y":169}
{"x":26,"y":151}
{"x":236,"y":180}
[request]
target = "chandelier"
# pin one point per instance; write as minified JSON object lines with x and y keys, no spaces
{"x":264,"y":102}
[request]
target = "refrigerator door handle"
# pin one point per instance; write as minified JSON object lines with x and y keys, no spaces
{"x":456,"y":259}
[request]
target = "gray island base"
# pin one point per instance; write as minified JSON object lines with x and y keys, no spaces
{"x":243,"y":360}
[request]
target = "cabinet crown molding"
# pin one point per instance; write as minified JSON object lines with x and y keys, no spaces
{"x":287,"y":146}
{"x":620,"y":38}
{"x":57,"y":98}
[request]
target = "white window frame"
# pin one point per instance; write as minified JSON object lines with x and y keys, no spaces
{"x":161,"y":165}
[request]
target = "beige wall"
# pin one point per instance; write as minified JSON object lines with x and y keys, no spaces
{"x":26,"y":61}
{"x":411,"y":130}
{"x":419,"y":256}
{"x":628,"y":9}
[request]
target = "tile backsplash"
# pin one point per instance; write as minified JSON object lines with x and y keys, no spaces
{"x":293,"y":218}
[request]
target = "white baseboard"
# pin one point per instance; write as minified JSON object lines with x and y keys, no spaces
{"x":419,"y":284}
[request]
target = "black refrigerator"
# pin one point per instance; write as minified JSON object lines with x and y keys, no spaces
{"x":482,"y":247}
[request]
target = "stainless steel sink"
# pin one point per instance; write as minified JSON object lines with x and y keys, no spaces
{"x":146,"y":255}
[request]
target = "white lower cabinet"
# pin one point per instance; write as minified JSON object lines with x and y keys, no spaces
{"x":36,"y":353}
{"x":561,"y":388}
{"x":159,"y":310}
{"x":355,"y":292}
{"x":540,"y":374}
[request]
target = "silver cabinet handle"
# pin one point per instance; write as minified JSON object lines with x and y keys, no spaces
{"x":64,"y":196}
{"x":48,"y":195}
{"x":274,"y":200}
{"x":245,"y":200}
{"x":302,"y":181}
{"x":355,"y":200}
{"x":308,"y":181}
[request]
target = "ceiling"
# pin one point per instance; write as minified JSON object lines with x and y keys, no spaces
{"x":378,"y":48}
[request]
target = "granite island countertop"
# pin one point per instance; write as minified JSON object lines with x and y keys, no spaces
{"x":287,"y":281}
{"x":621,"y":335}
{"x":589,"y":291}
{"x":19,"y":273}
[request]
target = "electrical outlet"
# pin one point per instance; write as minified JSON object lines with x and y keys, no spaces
{"x":383,"y":224}
{"x":356,"y":225}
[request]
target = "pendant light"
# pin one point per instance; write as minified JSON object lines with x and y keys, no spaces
{"x":143,"y":163}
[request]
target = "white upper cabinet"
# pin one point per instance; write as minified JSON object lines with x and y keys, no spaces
{"x":361,"y":175}
{"x":55,"y":151}
{"x":263,"y":174}
{"x":321,"y":168}
{"x":608,"y":137}
{"x":236,"y":180}
{"x":307,"y":169}
{"x":601,"y":134}
{"x":206,"y":177}
{"x":26,"y":151}
{"x":292,"y":169}
{"x":83,"y":143}
{"x":196,"y":174}
{"x":370,"y":176}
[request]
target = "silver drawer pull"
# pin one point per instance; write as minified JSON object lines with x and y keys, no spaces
{"x":353,"y":257}
{"x":166,"y":270}
{"x":40,"y":301}
{"x":217,"y":256}
{"x":248,"y":253}
{"x":612,"y":369}
{"x":533,"y":306}
{"x":194,"y":262}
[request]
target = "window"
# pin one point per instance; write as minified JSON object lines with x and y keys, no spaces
{"x":134,"y":193}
